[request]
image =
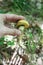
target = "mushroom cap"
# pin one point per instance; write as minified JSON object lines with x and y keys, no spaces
{"x":23,"y":23}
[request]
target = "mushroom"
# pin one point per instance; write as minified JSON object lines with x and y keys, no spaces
{"x":24,"y":23}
